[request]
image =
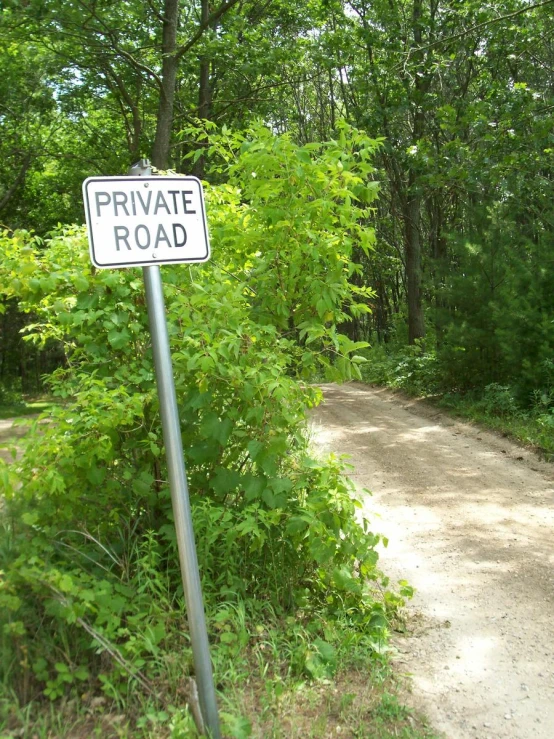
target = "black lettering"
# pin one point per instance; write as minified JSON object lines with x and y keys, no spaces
{"x":108,"y":200}
{"x":176,"y":241}
{"x":137,"y":239}
{"x":187,"y":202}
{"x":161,"y":236}
{"x":160,"y":203}
{"x":123,"y":236}
{"x":145,"y":206}
{"x":174,"y":194}
{"x":120,"y":199}
{"x":133,"y":204}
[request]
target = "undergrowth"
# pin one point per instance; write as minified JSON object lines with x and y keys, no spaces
{"x":17,"y":405}
{"x":500,"y":406}
{"x":91,"y":603}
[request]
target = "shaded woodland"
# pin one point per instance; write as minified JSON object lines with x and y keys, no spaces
{"x":460,"y":93}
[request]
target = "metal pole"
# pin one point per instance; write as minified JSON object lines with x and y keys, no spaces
{"x":180,"y":499}
{"x":179,"y":493}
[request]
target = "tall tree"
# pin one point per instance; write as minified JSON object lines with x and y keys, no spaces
{"x":419,"y":72}
{"x":132,"y":50}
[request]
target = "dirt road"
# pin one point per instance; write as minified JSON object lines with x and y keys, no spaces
{"x":12,"y":429}
{"x":470,"y":517}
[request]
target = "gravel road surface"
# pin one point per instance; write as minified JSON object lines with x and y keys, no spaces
{"x":470,"y":518}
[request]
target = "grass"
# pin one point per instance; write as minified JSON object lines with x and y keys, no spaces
{"x":19,"y":410}
{"x":261,"y":695}
{"x":527,"y":428}
{"x":25,"y":407}
{"x":356,"y":704}
{"x":493,"y":407}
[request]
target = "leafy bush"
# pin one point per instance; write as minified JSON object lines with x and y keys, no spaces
{"x":498,"y":400}
{"x":410,"y":369}
{"x":89,"y":555}
{"x":496,"y":405}
{"x":10,"y":395}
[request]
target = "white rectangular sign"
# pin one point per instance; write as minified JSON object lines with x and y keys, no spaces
{"x":138,"y":221}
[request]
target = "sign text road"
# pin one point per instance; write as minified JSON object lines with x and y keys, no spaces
{"x":141,"y":221}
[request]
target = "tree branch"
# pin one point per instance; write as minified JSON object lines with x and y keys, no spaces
{"x":478,"y":26}
{"x":213,"y":18}
{"x":155,"y":10}
{"x":109,"y":34}
{"x":18,"y":180}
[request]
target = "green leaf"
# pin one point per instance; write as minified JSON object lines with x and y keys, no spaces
{"x":237,"y":727}
{"x":296,"y":525}
{"x":253,"y":485}
{"x":268,"y":498}
{"x":216,"y":428}
{"x":96,"y":475}
{"x":118,"y":339}
{"x":344,"y":580}
{"x":327,"y":651}
{"x":81,"y":673}
{"x":225,"y":481}
{"x":255,"y":448}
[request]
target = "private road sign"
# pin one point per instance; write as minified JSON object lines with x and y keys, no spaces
{"x":147,"y":221}
{"x":143,"y":221}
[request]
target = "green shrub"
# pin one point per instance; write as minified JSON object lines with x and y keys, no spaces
{"x":91,"y":581}
{"x":498,"y":400}
{"x":410,"y":369}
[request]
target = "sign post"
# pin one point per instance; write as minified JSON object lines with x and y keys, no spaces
{"x":144,"y":220}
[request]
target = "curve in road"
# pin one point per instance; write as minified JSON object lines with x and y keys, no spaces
{"x":470,"y":519}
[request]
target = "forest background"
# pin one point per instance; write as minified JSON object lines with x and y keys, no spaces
{"x":459,"y":92}
{"x":428,"y":237}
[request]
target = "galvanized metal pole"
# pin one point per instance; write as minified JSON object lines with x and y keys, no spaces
{"x":179,"y":492}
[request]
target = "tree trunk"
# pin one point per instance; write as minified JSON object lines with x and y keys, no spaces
{"x":170,"y":62}
{"x":412,"y":217}
{"x":416,"y":322}
{"x":204,"y":95}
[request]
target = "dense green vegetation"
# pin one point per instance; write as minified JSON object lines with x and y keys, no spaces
{"x":377,"y":172}
{"x":459,"y":92}
{"x":91,"y":590}
{"x":418,"y":373}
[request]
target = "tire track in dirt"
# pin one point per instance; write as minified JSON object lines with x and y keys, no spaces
{"x":470,"y":518}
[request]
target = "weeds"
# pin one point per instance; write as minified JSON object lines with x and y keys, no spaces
{"x":498,"y":406}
